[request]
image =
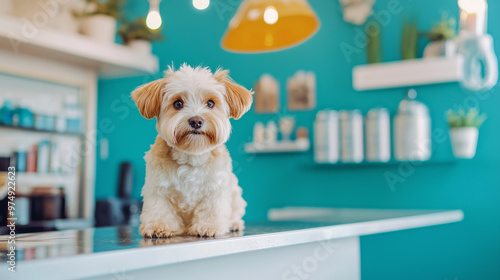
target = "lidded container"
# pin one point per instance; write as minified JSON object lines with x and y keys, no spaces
{"x":412,"y":130}
{"x":326,"y":137}
{"x":378,"y":135}
{"x":351,"y":136}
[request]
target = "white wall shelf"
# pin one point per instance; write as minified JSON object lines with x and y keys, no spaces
{"x":110,"y":60}
{"x":391,"y":163}
{"x":301,"y":145}
{"x":407,"y":73}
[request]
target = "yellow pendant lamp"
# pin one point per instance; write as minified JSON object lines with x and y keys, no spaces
{"x":270,"y":25}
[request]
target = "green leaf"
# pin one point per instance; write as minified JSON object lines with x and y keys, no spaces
{"x":464,"y":118}
{"x":443,"y":30}
{"x":373,"y":49}
{"x":138,"y":30}
{"x":108,"y":7}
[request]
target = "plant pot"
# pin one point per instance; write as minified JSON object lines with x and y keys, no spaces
{"x":45,"y":13}
{"x":5,"y":7}
{"x":464,"y":141}
{"x":142,"y":46}
{"x":101,"y":28}
{"x":65,"y":20}
{"x":445,"y":48}
{"x":24,"y":8}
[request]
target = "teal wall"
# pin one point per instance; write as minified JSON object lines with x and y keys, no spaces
{"x":467,"y":250}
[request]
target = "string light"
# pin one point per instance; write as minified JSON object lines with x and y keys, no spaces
{"x":472,"y":6}
{"x":153,"y":21}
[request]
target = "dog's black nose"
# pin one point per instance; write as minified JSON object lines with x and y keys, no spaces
{"x":196,"y":122}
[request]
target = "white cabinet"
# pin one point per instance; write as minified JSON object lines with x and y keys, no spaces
{"x":54,"y":63}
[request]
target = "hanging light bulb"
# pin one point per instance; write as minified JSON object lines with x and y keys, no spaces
{"x":473,"y":16}
{"x":472,"y":6}
{"x":201,"y":4}
{"x":153,"y":21}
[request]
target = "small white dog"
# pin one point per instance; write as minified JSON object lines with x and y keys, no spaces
{"x":190,"y":187}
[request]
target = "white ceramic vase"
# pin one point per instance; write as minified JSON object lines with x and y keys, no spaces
{"x":101,"y":28}
{"x":464,"y":141}
{"x":142,"y":46}
{"x":445,"y":48}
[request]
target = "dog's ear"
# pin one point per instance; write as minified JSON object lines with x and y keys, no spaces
{"x":148,"y":98}
{"x":238,"y":98}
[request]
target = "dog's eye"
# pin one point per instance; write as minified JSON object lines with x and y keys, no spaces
{"x":178,"y":104}
{"x":210,"y":104}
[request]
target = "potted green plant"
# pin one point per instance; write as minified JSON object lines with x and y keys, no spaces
{"x":373,"y":46}
{"x":99,"y":18}
{"x":409,"y":41}
{"x":440,"y":37}
{"x":138,"y":36}
{"x":464,"y":131}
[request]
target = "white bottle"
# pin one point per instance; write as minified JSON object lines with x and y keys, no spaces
{"x":351,"y":139}
{"x":320,"y":137}
{"x":258,"y":133}
{"x":412,"y":130}
{"x":43,"y":157}
{"x":55,"y":158}
{"x":73,"y":114}
{"x":60,"y":121}
{"x":378,"y":135}
{"x":332,"y":125}
{"x":271,"y":133}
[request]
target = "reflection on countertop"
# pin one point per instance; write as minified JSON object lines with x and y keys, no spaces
{"x":98,"y":251}
{"x":95,"y":240}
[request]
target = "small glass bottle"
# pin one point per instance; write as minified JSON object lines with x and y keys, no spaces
{"x":22,"y":115}
{"x":73,"y":114}
{"x":7,"y":112}
{"x":258,"y":133}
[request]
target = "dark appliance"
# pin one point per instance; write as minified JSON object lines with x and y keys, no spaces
{"x":121,"y":210}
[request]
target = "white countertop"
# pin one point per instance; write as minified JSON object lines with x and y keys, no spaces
{"x":97,"y":251}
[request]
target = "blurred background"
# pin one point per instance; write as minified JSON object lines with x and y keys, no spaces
{"x":359,"y":104}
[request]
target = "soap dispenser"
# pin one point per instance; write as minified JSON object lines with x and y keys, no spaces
{"x":412,"y":130}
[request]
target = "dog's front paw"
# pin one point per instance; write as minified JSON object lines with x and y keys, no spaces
{"x":208,"y":229}
{"x":159,"y":229}
{"x":238,"y":225}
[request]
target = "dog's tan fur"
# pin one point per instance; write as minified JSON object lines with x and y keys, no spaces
{"x":190,"y":187}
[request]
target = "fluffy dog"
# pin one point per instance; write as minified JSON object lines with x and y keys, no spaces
{"x":190,"y":187}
